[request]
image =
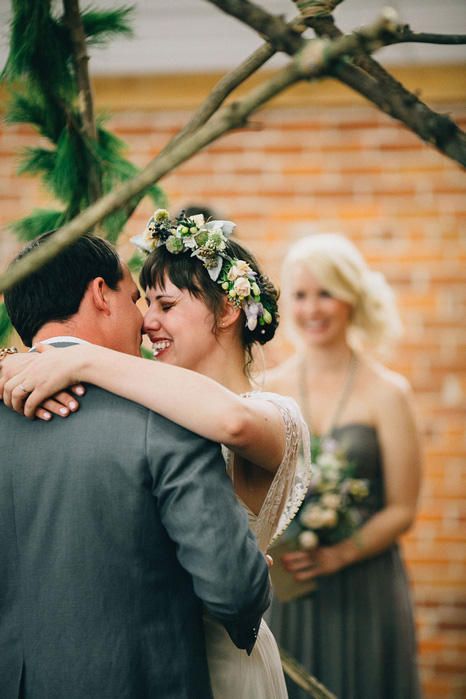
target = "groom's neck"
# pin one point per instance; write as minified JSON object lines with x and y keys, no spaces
{"x":53,"y":329}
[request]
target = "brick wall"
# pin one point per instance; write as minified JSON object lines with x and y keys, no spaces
{"x":349,"y":169}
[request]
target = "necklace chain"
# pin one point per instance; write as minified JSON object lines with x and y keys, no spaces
{"x":345,"y":391}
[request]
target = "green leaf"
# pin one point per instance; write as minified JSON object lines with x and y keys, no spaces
{"x":146,"y":353}
{"x":135,"y":263}
{"x":6,"y":329}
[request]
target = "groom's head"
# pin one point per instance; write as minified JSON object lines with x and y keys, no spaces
{"x":85,"y":291}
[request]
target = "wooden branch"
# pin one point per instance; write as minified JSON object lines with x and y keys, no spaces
{"x":393,"y":98}
{"x":229,"y":83}
{"x":311,"y":62}
{"x":72,"y":20}
{"x":381,"y":88}
{"x":221,"y":91}
{"x":406,"y":34}
{"x":272,"y":28}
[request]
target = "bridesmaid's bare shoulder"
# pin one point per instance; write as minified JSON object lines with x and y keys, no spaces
{"x":283,"y":378}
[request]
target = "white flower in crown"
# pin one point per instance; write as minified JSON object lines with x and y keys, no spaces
{"x":209,"y":250}
{"x":242,"y":287}
{"x":240,"y":269}
{"x":206,"y":240}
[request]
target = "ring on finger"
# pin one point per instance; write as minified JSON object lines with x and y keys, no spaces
{"x":24,"y":389}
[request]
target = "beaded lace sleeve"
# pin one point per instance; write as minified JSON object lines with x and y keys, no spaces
{"x":291,"y":480}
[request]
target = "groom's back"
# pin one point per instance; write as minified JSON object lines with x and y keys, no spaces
{"x":93,"y":600}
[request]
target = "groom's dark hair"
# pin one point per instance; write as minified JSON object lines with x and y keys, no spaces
{"x":54,"y":291}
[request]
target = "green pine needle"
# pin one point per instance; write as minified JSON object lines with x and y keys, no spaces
{"x":37,"y":161}
{"x":38,"y":222}
{"x":39,"y":48}
{"x":101,"y":27}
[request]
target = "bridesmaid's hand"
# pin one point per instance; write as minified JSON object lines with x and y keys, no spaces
{"x":323,"y":560}
{"x":19,"y":380}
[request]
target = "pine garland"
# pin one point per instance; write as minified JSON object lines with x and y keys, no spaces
{"x":43,"y":84}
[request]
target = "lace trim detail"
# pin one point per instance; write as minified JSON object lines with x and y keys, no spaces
{"x":292,"y":478}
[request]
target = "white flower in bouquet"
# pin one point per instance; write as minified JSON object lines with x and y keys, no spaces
{"x":329,"y":518}
{"x":311,"y":516}
{"x":329,"y":462}
{"x":331,"y":500}
{"x":329,"y":511}
{"x":308,"y":540}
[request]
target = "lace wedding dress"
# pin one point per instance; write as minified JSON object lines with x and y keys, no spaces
{"x":233,"y":673}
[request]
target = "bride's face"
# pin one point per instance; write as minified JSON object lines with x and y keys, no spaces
{"x":180,"y":327}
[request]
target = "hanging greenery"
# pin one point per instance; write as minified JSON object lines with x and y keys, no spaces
{"x":49,"y":88}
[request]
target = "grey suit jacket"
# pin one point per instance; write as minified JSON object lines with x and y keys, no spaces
{"x":116,"y":527}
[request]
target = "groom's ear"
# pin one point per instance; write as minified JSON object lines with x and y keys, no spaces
{"x":98,"y":291}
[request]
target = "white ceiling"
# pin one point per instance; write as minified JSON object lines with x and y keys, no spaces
{"x":173,"y":36}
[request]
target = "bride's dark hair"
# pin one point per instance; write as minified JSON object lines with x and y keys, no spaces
{"x":189,"y":273}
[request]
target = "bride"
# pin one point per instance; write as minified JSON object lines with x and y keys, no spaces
{"x":208,"y":303}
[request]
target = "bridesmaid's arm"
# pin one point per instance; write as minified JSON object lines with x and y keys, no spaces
{"x":253,"y":429}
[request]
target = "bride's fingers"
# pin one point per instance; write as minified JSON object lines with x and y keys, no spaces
{"x":15,"y":394}
{"x":78,"y":389}
{"x":61,"y":404}
{"x":43,"y":414}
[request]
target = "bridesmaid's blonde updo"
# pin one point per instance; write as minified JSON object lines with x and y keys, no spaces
{"x":342,"y":271}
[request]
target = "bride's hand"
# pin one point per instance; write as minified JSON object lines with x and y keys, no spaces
{"x":33,"y":385}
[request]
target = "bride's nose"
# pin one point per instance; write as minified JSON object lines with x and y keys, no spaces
{"x":151,"y":320}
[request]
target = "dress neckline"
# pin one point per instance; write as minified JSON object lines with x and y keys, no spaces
{"x":342,"y":398}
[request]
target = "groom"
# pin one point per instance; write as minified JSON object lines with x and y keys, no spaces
{"x":116,"y":527}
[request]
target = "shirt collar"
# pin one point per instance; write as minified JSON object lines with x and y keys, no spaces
{"x":63,"y":338}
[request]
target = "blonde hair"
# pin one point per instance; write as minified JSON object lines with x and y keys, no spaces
{"x":341,"y":270}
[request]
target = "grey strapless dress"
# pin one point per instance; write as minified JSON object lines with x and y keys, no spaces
{"x":355,"y":632}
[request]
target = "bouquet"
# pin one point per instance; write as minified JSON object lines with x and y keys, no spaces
{"x":327,"y":515}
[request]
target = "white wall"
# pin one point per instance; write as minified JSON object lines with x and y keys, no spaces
{"x":193,"y":35}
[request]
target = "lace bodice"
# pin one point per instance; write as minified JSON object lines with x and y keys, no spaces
{"x":291,"y":480}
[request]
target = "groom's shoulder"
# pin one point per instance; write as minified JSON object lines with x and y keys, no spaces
{"x":103,"y":405}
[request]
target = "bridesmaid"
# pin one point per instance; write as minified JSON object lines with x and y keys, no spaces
{"x":355,"y":632}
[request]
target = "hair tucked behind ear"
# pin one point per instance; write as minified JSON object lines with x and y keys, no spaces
{"x":341,"y":269}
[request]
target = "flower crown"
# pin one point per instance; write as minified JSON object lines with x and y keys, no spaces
{"x":207,"y":241}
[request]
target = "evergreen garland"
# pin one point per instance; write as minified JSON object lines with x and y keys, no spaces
{"x":41,"y":76}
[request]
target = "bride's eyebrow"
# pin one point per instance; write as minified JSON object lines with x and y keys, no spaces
{"x":160,"y":297}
